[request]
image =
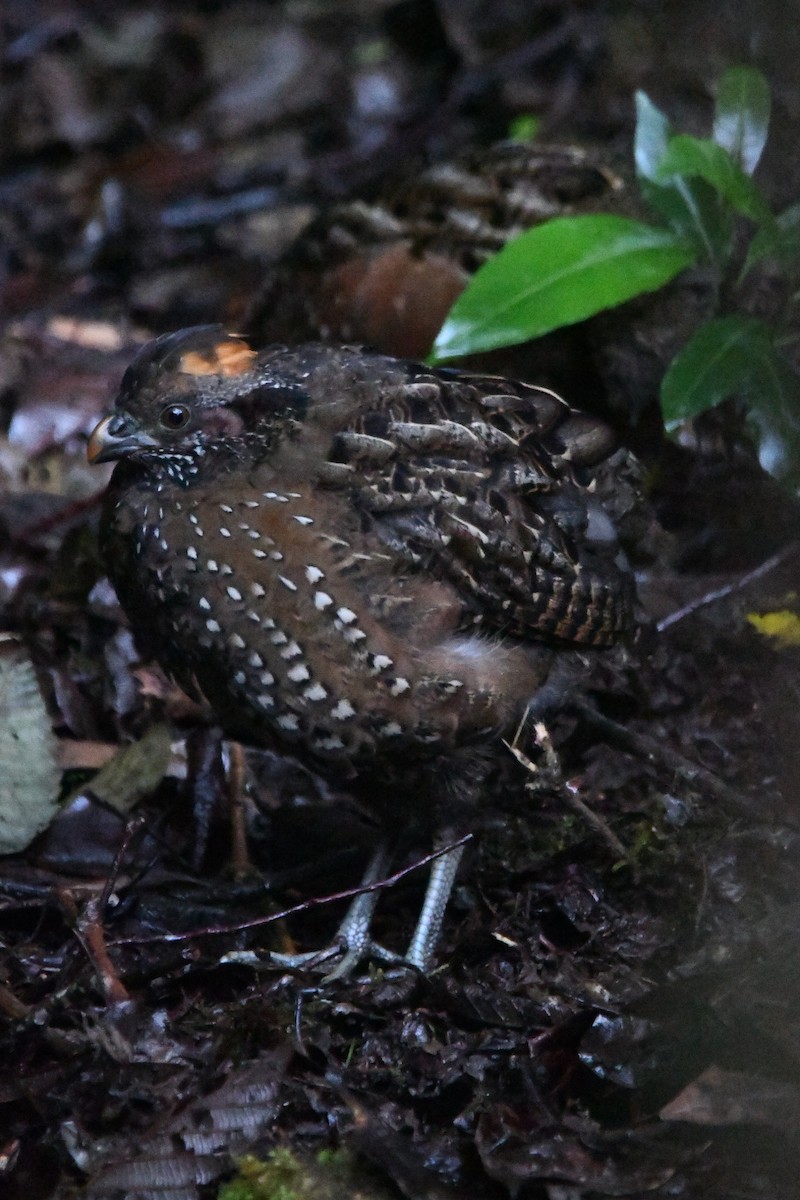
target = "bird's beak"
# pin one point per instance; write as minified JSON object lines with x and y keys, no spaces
{"x":113,"y":439}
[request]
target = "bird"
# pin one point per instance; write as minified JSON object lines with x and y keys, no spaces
{"x":386,"y":272}
{"x":369,"y":563}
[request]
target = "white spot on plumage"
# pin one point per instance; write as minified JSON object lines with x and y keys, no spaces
{"x":266,"y":678}
{"x":381,"y":661}
{"x":342,"y":710}
{"x":288,"y":583}
{"x":203,"y":603}
{"x":240,"y":678}
{"x":346,"y":615}
{"x":233,"y":592}
{"x":315,"y":692}
{"x":212,"y":565}
{"x":399,"y":686}
{"x":212,"y":626}
{"x":298,"y":673}
{"x":304,"y":520}
{"x":255,"y":659}
{"x":331,"y":742}
{"x":259,"y":554}
{"x":191,"y":552}
{"x":257,"y":590}
{"x":288,"y":721}
{"x":322,"y":600}
{"x":226,"y":508}
{"x":313,"y":574}
{"x":237,"y":641}
{"x":279,"y":638}
{"x":291,"y":651}
{"x":225,"y":532}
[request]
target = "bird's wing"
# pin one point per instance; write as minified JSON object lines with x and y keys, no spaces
{"x":489,"y":483}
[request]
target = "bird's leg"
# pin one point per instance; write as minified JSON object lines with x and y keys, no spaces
{"x":355,"y":928}
{"x":440,"y":884}
{"x":352,"y":939}
{"x":354,"y":931}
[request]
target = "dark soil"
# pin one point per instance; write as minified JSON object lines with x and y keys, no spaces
{"x":603,"y":1022}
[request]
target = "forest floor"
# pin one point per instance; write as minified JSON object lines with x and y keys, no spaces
{"x":615,"y":1006}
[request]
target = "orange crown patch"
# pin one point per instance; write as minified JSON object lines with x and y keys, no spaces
{"x":226,"y":358}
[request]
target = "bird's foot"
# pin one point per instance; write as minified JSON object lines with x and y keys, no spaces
{"x":354,"y":942}
{"x":349,"y":956}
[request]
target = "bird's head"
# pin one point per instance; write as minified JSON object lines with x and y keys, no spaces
{"x":188,"y":389}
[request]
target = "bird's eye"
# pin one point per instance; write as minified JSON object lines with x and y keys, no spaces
{"x":174,"y":416}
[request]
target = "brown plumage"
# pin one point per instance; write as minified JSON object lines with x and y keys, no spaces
{"x":362,"y":559}
{"x":386,"y":273}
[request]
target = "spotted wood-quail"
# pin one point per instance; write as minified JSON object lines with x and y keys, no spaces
{"x":361,"y":559}
{"x":385,"y":273}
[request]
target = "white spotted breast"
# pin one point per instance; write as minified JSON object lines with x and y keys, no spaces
{"x":258,"y":593}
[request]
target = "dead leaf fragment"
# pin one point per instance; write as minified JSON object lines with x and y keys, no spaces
{"x":134,"y":771}
{"x":29,"y":774}
{"x":782,"y":625}
{"x":719,"y":1097}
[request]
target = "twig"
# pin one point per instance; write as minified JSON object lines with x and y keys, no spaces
{"x":88,"y":925}
{"x":650,"y":750}
{"x":568,"y":789}
{"x":728,"y":589}
{"x":240,"y":859}
{"x":377,"y":885}
{"x":594,"y":819}
{"x":132,"y":828}
{"x":89,"y":930}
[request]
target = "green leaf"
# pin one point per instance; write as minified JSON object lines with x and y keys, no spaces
{"x":690,"y":207}
{"x":688,"y":156}
{"x":651,"y":137}
{"x":714,"y":365}
{"x":774,"y":415}
{"x":693,"y":210}
{"x":524,"y":128}
{"x":782,"y":242}
{"x":741,"y":117}
{"x":563,"y":271}
{"x":736,"y":357}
